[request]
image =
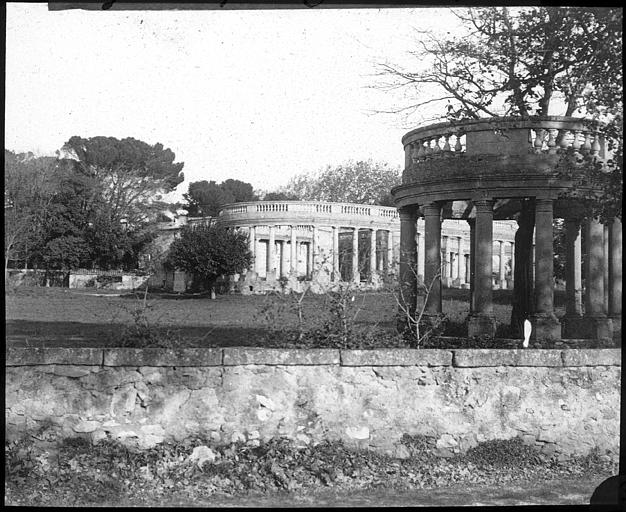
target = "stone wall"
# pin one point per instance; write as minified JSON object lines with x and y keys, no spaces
{"x":560,"y":400}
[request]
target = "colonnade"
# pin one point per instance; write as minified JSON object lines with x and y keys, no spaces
{"x":379,"y":255}
{"x":603,"y":270}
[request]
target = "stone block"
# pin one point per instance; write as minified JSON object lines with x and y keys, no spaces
{"x":592,"y":357}
{"x":475,"y":358}
{"x":86,"y":426}
{"x":162,"y":357}
{"x":396,"y":357}
{"x":30,"y":356}
{"x":73,"y":371}
{"x":297,"y":357}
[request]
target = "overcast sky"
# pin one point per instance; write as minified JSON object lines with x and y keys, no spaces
{"x":256,"y":95}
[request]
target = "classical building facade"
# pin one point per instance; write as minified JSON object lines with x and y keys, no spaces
{"x":480,"y":170}
{"x":298,"y":241}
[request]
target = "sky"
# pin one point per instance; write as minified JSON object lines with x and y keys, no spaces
{"x":254,"y":95}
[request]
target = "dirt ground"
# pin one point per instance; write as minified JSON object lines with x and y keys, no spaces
{"x":575,"y":491}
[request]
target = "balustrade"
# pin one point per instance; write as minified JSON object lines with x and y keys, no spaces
{"x":549,"y":135}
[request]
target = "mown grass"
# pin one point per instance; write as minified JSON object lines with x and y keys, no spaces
{"x":61,"y":317}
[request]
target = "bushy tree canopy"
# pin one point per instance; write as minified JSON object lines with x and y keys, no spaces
{"x":131,"y":174}
{"x":206,"y":198}
{"x":209,"y":251}
{"x":363,"y":182}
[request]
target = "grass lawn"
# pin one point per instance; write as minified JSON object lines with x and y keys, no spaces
{"x":37,"y":316}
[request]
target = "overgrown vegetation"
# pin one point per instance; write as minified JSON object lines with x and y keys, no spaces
{"x":76,"y":473}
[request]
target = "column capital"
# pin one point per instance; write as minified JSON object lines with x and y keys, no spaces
{"x":484,"y":205}
{"x":544,"y":204}
{"x":408,"y":212}
{"x":431,"y":209}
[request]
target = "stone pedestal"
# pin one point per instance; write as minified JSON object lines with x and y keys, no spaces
{"x":590,"y":327}
{"x":546,"y":326}
{"x":481,"y":325}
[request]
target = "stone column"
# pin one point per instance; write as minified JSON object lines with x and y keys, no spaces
{"x":445,"y":264}
{"x":389,"y":251}
{"x":256,"y":251}
{"x":597,"y":324}
{"x":482,"y":321}
{"x":356,"y":274}
{"x":283,"y":258}
{"x":372,"y":254}
{"x":545,"y":323}
{"x":459,"y":257}
{"x":407,"y":277}
{"x":615,"y":270}
{"x":252,"y":245}
{"x":421,"y":259}
{"x":432,"y":263}
{"x":512,"y":263}
{"x":312,"y":250}
{"x":336,"y":274}
{"x":293,"y":256}
{"x":472,"y":259}
{"x":466,"y":277}
{"x":271,"y":268}
{"x":501,"y":275}
{"x":605,"y":267}
{"x":571,"y":323}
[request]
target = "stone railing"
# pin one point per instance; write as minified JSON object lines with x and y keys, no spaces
{"x":504,"y":136}
{"x":306,"y":209}
{"x":369,"y":397}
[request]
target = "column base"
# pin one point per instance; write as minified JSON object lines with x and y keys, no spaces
{"x":545,"y":327}
{"x":481,"y":325}
{"x":572,"y":326}
{"x":598,"y":327}
{"x":431,"y":322}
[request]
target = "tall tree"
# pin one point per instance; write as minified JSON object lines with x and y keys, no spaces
{"x":529,"y":61}
{"x":206,"y":198}
{"x":363,"y":182}
{"x":29,"y":186}
{"x":131,"y":174}
{"x":280,"y":196}
{"x":239,"y":190}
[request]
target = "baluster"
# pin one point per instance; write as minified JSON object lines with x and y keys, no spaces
{"x":595,"y":147}
{"x":587,"y":143}
{"x":428,"y":150}
{"x":420,"y":150}
{"x":446,"y":146}
{"x":457,"y":146}
{"x":563,"y":143}
{"x":538,"y":144}
{"x":576,"y":141}
{"x":551,"y":142}
{"x":436,"y":147}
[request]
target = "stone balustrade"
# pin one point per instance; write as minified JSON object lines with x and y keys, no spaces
{"x":540,"y":135}
{"x":355,"y":213}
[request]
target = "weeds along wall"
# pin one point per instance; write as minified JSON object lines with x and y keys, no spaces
{"x":563,"y":401}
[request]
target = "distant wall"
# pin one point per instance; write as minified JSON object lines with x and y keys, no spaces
{"x":563,"y":401}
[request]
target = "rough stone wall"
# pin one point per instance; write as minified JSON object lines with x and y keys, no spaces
{"x":563,"y":401}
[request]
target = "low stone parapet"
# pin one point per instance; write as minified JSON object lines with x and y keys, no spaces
{"x":564,"y":401}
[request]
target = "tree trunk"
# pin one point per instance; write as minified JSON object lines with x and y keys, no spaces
{"x":523,"y":277}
